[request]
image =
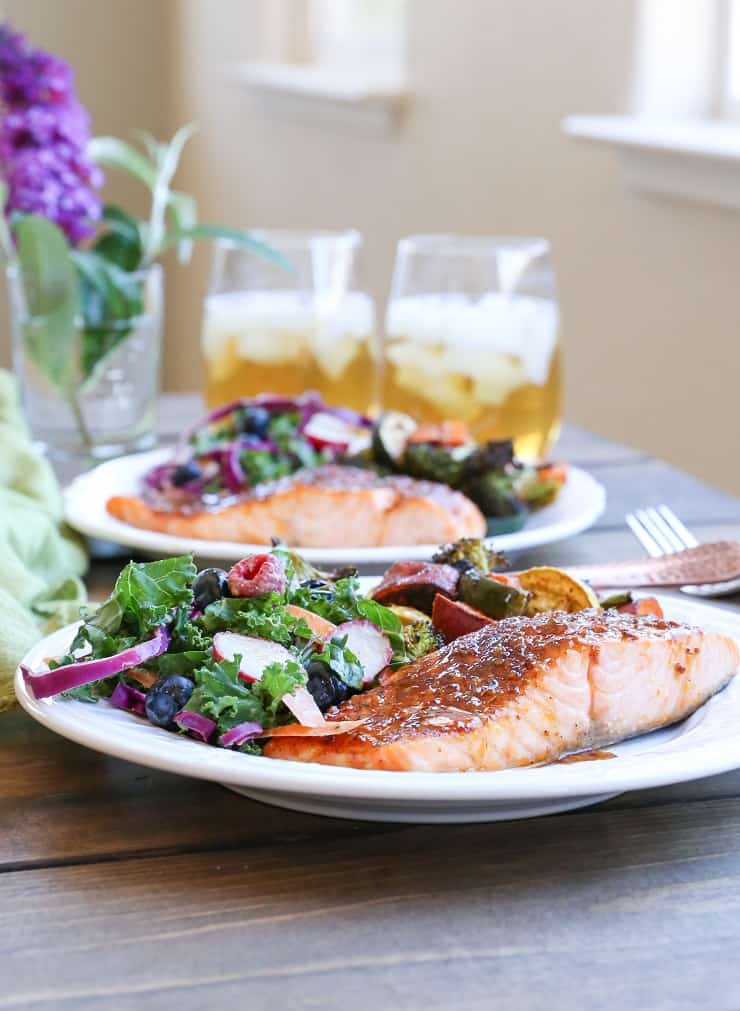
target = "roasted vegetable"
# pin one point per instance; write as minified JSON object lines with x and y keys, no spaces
{"x":498,"y":525}
{"x":391,"y":434}
{"x":538,"y":492}
{"x":498,"y":454}
{"x":421,"y":637}
{"x":643,"y":606}
{"x":468,"y":552}
{"x":407,"y":615}
{"x":617,"y":600}
{"x":495,"y":599}
{"x":414,"y":584}
{"x":554,"y":590}
{"x":494,"y":494}
{"x":452,"y":618}
{"x":447,"y":433}
{"x":429,"y":462}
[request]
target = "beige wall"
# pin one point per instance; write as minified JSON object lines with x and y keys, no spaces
{"x":649,"y":291}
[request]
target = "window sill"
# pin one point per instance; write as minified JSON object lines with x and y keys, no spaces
{"x":697,"y":160}
{"x":313,"y":94}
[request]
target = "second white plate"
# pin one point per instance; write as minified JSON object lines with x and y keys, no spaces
{"x":579,"y":505}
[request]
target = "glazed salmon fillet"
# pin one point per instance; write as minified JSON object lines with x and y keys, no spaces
{"x":326,"y":506}
{"x":526,"y":691}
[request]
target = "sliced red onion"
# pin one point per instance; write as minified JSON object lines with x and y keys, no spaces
{"x":232,"y":469}
{"x":350,"y":416}
{"x":240,"y":734}
{"x":86,"y":671}
{"x":371,"y":647}
{"x":157,"y":476}
{"x":126,"y":697}
{"x":197,"y":724}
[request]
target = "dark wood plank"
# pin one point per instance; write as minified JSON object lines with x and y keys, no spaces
{"x":608,"y":909}
{"x":62,"y":803}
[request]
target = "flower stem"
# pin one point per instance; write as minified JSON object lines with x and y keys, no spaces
{"x":84,"y":431}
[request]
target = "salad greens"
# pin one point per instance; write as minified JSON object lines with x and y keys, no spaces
{"x":153,"y":599}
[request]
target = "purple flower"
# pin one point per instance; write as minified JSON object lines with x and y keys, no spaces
{"x":43,"y":139}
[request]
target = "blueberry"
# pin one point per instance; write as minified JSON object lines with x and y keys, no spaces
{"x":322,"y":692}
{"x":256,"y":421}
{"x":166,"y":697}
{"x":340,"y":689}
{"x":210,"y":585}
{"x":327,"y":689}
{"x":160,"y":708}
{"x":179,"y":687}
{"x":315,"y":584}
{"x":318,"y":669}
{"x":185,"y":473}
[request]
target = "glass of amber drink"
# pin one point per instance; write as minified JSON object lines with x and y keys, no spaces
{"x":472,"y":333}
{"x":272,"y":329}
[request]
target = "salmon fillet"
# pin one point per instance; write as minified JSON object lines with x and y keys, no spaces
{"x":525,"y":691}
{"x":323,"y":507}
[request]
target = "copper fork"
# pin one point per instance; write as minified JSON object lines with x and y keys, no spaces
{"x":662,"y":534}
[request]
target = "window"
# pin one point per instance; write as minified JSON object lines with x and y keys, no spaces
{"x":681,"y":134}
{"x":331,"y":61}
{"x":729,"y":40}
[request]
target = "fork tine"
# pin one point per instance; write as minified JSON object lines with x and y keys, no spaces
{"x":648,"y":543}
{"x":654,"y":530}
{"x":678,"y":527}
{"x":666,"y":530}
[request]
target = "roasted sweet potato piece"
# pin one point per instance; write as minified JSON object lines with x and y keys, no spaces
{"x":415,"y":584}
{"x":453,"y":618}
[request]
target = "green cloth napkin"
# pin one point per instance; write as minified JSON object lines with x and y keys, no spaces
{"x":41,"y":560}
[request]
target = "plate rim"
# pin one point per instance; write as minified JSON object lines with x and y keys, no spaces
{"x":76,"y":514}
{"x":162,"y":750}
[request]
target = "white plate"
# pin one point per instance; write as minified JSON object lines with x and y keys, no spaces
{"x":579,"y":504}
{"x":706,"y":743}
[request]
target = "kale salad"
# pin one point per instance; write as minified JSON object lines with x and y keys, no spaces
{"x":229,"y":657}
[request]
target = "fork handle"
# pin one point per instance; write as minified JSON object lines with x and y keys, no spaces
{"x":713,"y":562}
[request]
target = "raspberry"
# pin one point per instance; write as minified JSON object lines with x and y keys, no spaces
{"x":257,"y":574}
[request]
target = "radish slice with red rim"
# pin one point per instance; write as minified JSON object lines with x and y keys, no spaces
{"x":256,"y":654}
{"x":371,"y":647}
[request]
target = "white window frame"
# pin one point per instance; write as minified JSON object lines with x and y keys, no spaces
{"x":681,"y":134}
{"x":326,"y":63}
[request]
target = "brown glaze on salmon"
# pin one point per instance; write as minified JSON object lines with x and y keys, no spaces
{"x":327,"y":506}
{"x":528,"y":690}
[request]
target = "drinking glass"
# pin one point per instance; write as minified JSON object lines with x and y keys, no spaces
{"x":472,"y":333}
{"x":97,"y":398}
{"x":272,"y":329}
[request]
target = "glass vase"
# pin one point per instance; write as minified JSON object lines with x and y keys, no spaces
{"x":96,"y":397}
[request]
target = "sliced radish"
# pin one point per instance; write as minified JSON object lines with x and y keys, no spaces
{"x":256,"y":654}
{"x":326,"y":431}
{"x":371,"y":647}
{"x":303,"y":706}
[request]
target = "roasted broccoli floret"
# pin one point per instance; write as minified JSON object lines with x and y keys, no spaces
{"x":494,"y":494}
{"x":428,"y":462}
{"x":469,"y":553}
{"x":498,"y":455}
{"x":421,"y":638}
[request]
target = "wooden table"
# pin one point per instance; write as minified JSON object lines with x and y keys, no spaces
{"x":124,"y":888}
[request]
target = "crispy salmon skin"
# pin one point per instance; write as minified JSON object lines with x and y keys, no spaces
{"x":326,"y":506}
{"x":525,"y":691}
